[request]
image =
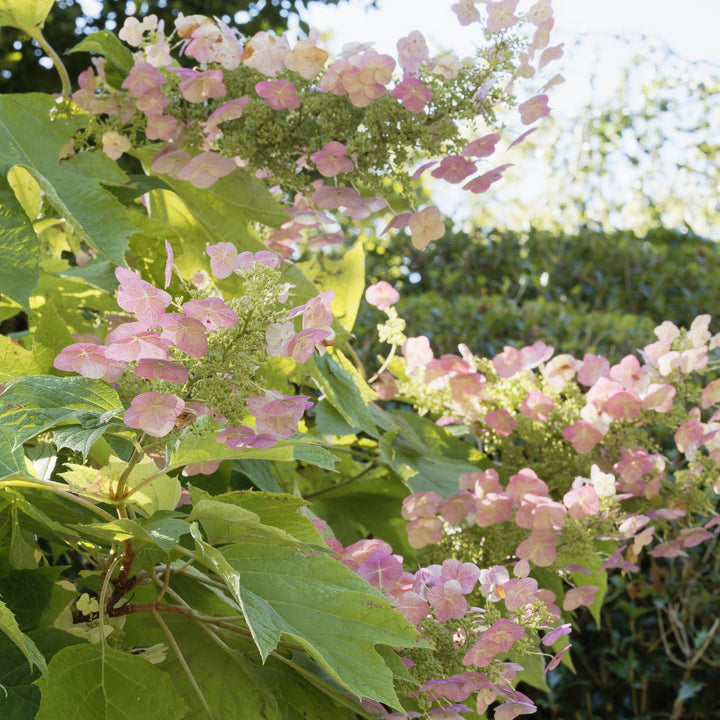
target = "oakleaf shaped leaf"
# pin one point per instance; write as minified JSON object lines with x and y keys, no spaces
{"x":31,"y":139}
{"x":37,"y":403}
{"x":19,"y":270}
{"x":9,"y":625}
{"x":106,"y":44}
{"x":96,"y":682}
{"x":317,"y":602}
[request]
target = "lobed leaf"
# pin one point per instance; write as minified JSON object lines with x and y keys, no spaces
{"x":96,"y":682}
{"x":316,"y":601}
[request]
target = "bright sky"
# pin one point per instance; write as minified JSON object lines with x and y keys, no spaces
{"x":689,"y":27}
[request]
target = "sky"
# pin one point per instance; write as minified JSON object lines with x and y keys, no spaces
{"x":689,"y":27}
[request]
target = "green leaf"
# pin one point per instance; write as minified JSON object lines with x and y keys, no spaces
{"x":597,"y":578}
{"x":12,"y":461}
{"x":201,"y":447}
{"x":318,"y":602}
{"x":15,"y":360}
{"x":19,"y":270}
{"x":96,"y":682}
{"x":224,"y":522}
{"x":164,"y":531}
{"x":426,"y":456}
{"x":104,"y":43}
{"x":35,"y":404}
{"x":315,"y":455}
{"x":277,"y":513}
{"x":98,"y":273}
{"x":49,"y":337}
{"x":260,"y":472}
{"x":330,"y":421}
{"x":225,"y":679}
{"x":302,"y":694}
{"x":27,"y":592}
{"x":21,"y":697}
{"x":24,"y":14}
{"x":368,"y":507}
{"x":9,"y":625}
{"x":30,"y":139}
{"x":236,"y":199}
{"x":345,"y":276}
{"x":345,"y":390}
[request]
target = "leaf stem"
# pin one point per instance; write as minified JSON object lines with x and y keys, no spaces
{"x":183,"y":663}
{"x":57,"y":489}
{"x":57,"y":62}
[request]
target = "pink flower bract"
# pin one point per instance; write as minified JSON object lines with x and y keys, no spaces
{"x":154,"y":413}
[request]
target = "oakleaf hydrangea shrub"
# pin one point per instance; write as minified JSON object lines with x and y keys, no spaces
{"x":122,"y":460}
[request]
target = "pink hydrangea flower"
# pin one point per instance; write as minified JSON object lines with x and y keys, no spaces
{"x":413,"y":607}
{"x":466,"y":12}
{"x":582,"y":502}
{"x":266,"y":52}
{"x":426,"y":226}
{"x":154,"y":413}
{"x":143,"y":78}
{"x":537,"y":406}
{"x":417,"y":352}
{"x":382,"y":295}
{"x":582,"y":595}
{"x":186,"y":333}
{"x":223,"y":259}
{"x":498,"y":638}
{"x":501,"y":421}
{"x":86,"y":359}
{"x":198,"y":87}
{"x":302,"y":345}
{"x":412,"y":52}
{"x":381,"y":569}
{"x":501,"y":15}
{"x":534,"y":109}
{"x":170,"y":160}
{"x":131,"y":341}
{"x":205,"y":169}
{"x":483,"y":182}
{"x":242,"y":436}
{"x":454,"y":169}
{"x":582,"y":436}
{"x":520,"y":592}
{"x":161,"y":370}
{"x":447,"y":600}
{"x":420,"y":504}
{"x":481,"y":147}
{"x":212,"y":312}
{"x":114,"y":144}
{"x":278,"y":94}
{"x":424,"y":531}
{"x":161,"y":127}
{"x":539,"y":548}
{"x":332,"y":159}
{"x":413,"y":93}
{"x":140,"y":297}
{"x":306,"y":59}
{"x":509,"y":362}
{"x":492,"y":508}
{"x":276,"y":414}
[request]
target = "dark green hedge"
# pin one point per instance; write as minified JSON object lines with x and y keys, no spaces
{"x":589,"y":292}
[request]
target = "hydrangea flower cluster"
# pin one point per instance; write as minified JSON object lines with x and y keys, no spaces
{"x":291,"y":114}
{"x":573,"y":451}
{"x":200,"y":360}
{"x":472,"y":641}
